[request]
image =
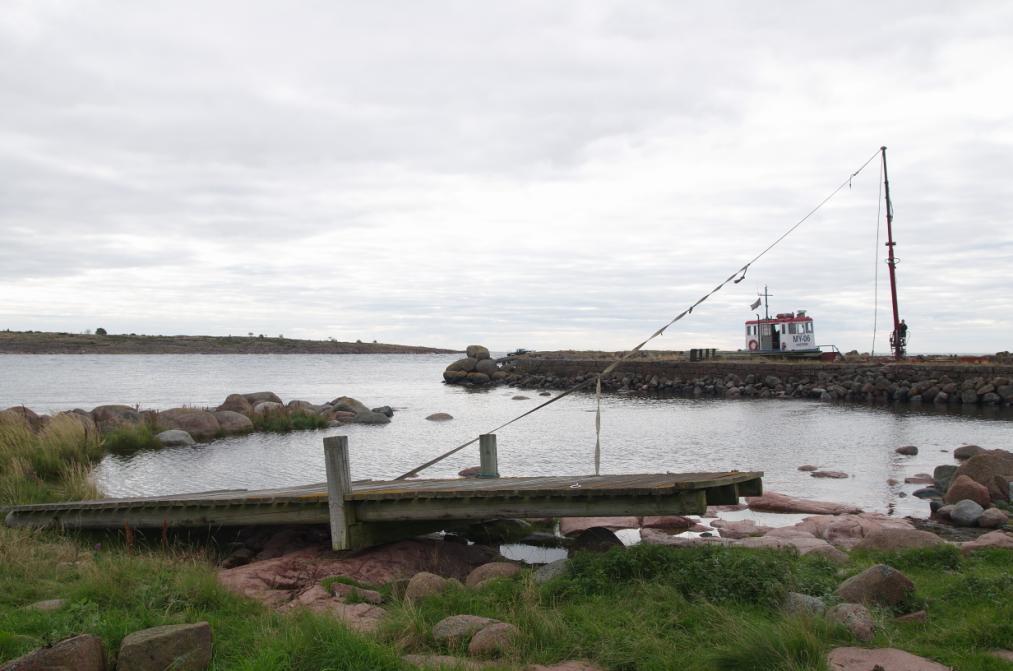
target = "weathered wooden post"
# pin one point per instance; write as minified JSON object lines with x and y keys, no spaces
{"x":487,"y":453}
{"x":339,"y":483}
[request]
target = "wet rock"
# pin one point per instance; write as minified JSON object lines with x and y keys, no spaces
{"x":889,"y":540}
{"x":967,"y":451}
{"x":175,"y":438}
{"x":927,"y":493}
{"x":424,"y":584}
{"x":348,"y":404}
{"x":835,"y":475}
{"x":236,"y":403}
{"x":854,"y":617}
{"x":920,"y":479}
{"x":943,"y":475}
{"x":80,"y":653}
{"x":880,"y":659}
{"x":486,"y":367}
{"x":182,"y":647}
{"x":964,"y":487}
{"x":489,"y":571}
{"x":773,"y":502}
{"x":550,"y":571}
{"x":994,"y":539}
{"x":369,"y":417}
{"x":993,"y":518}
{"x":460,"y":627}
{"x":439,"y":417}
{"x":907,"y":450}
{"x":465,"y":365}
{"x":808,"y":468}
{"x":384,"y":410}
{"x":879,"y":584}
{"x":803,"y":604}
{"x":990,"y":469}
{"x":470,"y":472}
{"x":520,"y":397}
{"x":232,"y":422}
{"x":966,"y":513}
{"x":596,"y":539}
{"x":477,"y":378}
{"x":498,"y":638}
{"x":570,"y":526}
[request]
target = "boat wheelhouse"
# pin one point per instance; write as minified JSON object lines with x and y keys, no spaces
{"x":787,"y":332}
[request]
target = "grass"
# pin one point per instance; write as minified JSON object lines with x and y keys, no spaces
{"x":283,"y":421}
{"x":128,"y":439}
{"x":645,"y":608}
{"x":51,"y":465}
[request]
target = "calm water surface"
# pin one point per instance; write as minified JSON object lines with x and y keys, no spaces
{"x":638,"y":434}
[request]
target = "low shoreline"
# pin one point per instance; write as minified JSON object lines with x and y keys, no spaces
{"x":37,"y":342}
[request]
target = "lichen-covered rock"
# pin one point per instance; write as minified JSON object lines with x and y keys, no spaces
{"x":803,"y":604}
{"x":550,"y":571}
{"x":854,"y":617}
{"x":181,"y":647}
{"x":459,"y":627}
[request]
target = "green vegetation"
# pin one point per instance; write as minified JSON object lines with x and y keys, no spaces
{"x":641,"y":609}
{"x":51,"y":465}
{"x":283,"y":421}
{"x":129,"y":439}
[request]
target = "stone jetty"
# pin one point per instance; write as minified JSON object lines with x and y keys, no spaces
{"x":927,"y":383}
{"x":478,"y":368}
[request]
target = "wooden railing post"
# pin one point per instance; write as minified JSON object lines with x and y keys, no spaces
{"x":339,"y":483}
{"x":487,"y":453}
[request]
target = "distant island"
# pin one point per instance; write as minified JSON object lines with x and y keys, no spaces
{"x":38,"y":342}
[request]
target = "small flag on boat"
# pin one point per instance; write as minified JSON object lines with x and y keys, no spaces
{"x":755,"y":305}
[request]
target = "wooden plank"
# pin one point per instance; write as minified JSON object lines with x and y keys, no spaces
{"x":339,"y":484}
{"x":489,"y":466}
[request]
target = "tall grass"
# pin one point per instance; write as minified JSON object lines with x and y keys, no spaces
{"x":283,"y":420}
{"x":50,"y":465}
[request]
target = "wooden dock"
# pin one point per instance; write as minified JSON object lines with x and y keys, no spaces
{"x":368,"y":512}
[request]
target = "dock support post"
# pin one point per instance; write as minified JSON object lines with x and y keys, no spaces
{"x":487,"y":453}
{"x":339,"y":483}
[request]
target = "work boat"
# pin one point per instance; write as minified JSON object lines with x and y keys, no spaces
{"x":785,"y":334}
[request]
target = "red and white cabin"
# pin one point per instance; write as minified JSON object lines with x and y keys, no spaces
{"x":785,"y":332}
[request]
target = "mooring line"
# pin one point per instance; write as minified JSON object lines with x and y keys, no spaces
{"x":626,"y":355}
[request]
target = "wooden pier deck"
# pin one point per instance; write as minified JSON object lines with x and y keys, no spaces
{"x":367,"y":512}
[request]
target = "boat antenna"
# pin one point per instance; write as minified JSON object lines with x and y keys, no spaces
{"x":898,"y":339}
{"x":766,"y":302}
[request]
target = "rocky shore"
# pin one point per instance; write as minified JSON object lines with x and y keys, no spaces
{"x":914,"y":383}
{"x":238,"y":414}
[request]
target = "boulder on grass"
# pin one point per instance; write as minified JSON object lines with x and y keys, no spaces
{"x":424,"y":584}
{"x":879,"y":585}
{"x":494,"y":639}
{"x":489,"y":571}
{"x":889,"y":540}
{"x":459,"y":627}
{"x":596,"y":539}
{"x":854,"y":617}
{"x":181,"y":647}
{"x":80,"y":653}
{"x":999,"y":540}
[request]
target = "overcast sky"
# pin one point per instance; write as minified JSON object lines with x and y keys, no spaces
{"x":516,"y":174}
